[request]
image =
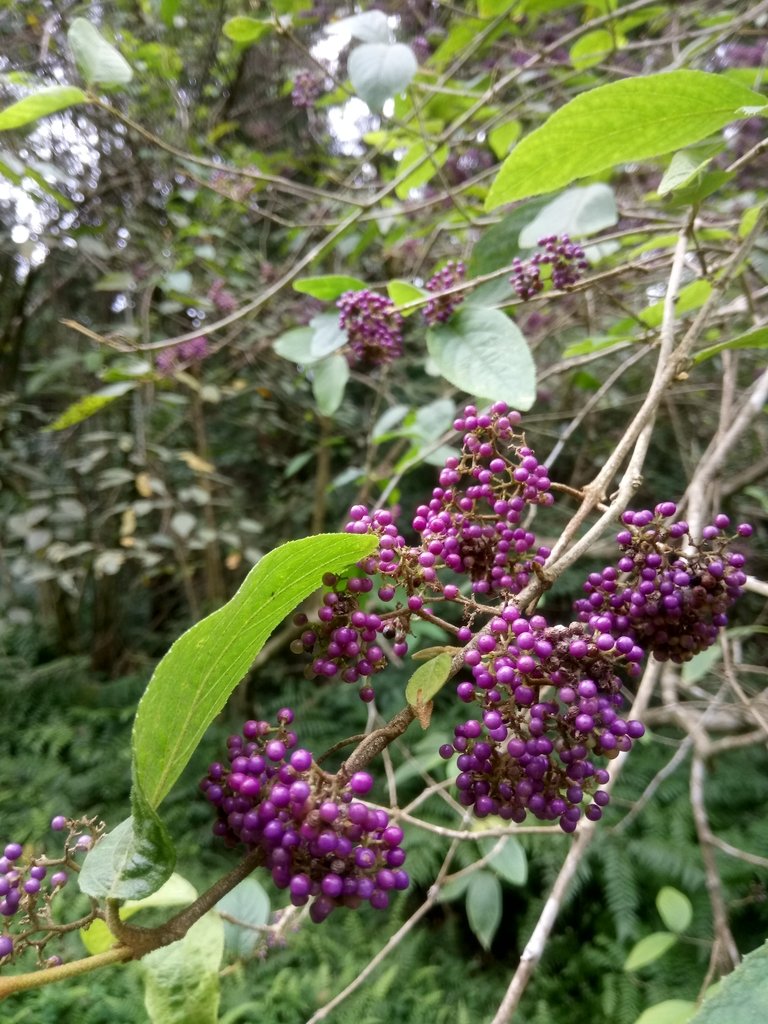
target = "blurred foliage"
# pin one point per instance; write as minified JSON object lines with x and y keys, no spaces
{"x":197,"y":190}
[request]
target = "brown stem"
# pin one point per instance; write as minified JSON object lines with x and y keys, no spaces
{"x":37,"y":979}
{"x":140,"y":940}
{"x":376,"y":741}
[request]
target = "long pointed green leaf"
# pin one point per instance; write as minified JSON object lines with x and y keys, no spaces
{"x":40,"y":104}
{"x":633,"y":119}
{"x":192,"y":682}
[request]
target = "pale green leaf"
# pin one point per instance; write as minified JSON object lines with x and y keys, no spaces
{"x":742,"y":996}
{"x":428,"y":679}
{"x":246,"y":30}
{"x":757,"y":338}
{"x":402,"y":292}
{"x":483,"y":903}
{"x":99,"y":62}
{"x":369,"y":27}
{"x":700,"y":666}
{"x":296,"y":345}
{"x":671,"y":1011}
{"x":378,"y":71}
{"x":682,"y":169}
{"x":181,"y":981}
{"x":484,"y":353}
{"x":632,"y":119}
{"x":328,"y":286}
{"x":327,"y":335}
{"x":329,"y":379}
{"x":244,"y":910}
{"x":40,"y":104}
{"x":192,"y":682}
{"x":649,"y":949}
{"x":674,"y":908}
{"x":509,"y":862}
{"x":578,"y":212}
{"x":132,"y":861}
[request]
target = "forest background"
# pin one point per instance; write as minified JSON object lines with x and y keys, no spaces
{"x":177,"y":399}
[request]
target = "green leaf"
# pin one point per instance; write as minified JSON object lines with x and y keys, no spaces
{"x":40,"y":104}
{"x":752,"y":339}
{"x":168,"y":10}
{"x":593,"y":47}
{"x":246,"y":30}
{"x":749,"y":219}
{"x":674,"y":908}
{"x":691,"y":297}
{"x":632,"y":119}
{"x":129,"y":863}
{"x":117,"y":281}
{"x":329,"y":379}
{"x":368,"y":27}
{"x":380,"y":70}
{"x":98,"y":61}
{"x":700,"y":666}
{"x":181,"y":981}
{"x":428,"y":679}
{"x":402,"y":292}
{"x":499,"y":244}
{"x":510,"y":861}
{"x":328,"y":286}
{"x":176,"y":892}
{"x":671,"y":1011}
{"x":428,"y":163}
{"x":649,"y":949}
{"x":578,"y":212}
{"x":502,"y":139}
{"x":244,"y":910}
{"x":682,"y":169}
{"x":296,"y":345}
{"x":741,"y":997}
{"x":454,"y":889}
{"x":484,"y":353}
{"x":192,"y":682}
{"x":327,"y":336}
{"x":483,"y":903}
{"x":91,"y":404}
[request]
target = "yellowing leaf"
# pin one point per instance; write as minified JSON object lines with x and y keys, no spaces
{"x":144,"y":485}
{"x":196,"y":464}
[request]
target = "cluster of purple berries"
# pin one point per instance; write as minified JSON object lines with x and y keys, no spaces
{"x":316,"y":837}
{"x":472,"y":522}
{"x":374,"y":328}
{"x":308,"y":87}
{"x":667,"y":591}
{"x":551,"y":698}
{"x":566,"y":259}
{"x":192,"y":351}
{"x":550,"y":694}
{"x":27,"y":887}
{"x":471,"y":527}
{"x":441,"y":308}
{"x":345,"y":639}
{"x":221,"y":297}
